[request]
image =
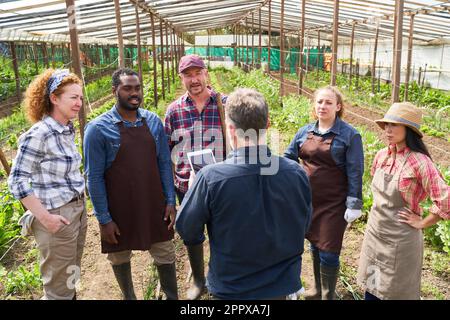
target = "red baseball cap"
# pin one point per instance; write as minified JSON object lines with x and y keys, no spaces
{"x":191,"y":60}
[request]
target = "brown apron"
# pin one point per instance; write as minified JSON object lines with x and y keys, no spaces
{"x":329,"y":193}
{"x":135,"y":197}
{"x":390,"y":265}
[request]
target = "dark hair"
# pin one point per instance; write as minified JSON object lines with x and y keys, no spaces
{"x":415,"y":142}
{"x":122,"y":72}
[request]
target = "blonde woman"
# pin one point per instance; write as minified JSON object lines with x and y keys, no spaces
{"x":46,"y":178}
{"x":331,"y":152}
{"x":404,"y":175}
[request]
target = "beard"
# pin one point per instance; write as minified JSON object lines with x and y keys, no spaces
{"x":197,"y":88}
{"x":125,"y":104}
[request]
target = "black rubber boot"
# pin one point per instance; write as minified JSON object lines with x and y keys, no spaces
{"x":195,"y":254}
{"x":168,"y":279}
{"x":328,"y":280}
{"x":125,"y":281}
{"x":316,"y":292}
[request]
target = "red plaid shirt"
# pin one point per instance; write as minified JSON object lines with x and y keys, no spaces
{"x":419,"y":178}
{"x":188,"y":130}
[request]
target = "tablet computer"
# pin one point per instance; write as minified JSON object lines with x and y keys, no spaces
{"x":201,"y":158}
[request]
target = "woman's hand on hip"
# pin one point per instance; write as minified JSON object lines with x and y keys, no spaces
{"x":53,"y":222}
{"x":409,"y":217}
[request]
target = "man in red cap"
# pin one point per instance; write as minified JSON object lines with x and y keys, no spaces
{"x":192,"y":123}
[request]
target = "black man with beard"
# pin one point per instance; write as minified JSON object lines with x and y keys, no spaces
{"x":130,"y":181}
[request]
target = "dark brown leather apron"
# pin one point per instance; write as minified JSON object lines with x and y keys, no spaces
{"x":329,"y":193}
{"x":135,"y":197}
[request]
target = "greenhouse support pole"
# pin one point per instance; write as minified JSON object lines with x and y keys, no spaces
{"x":242,"y":47}
{"x":307,"y":57}
{"x":253,"y":40}
{"x":270,"y":35}
{"x":139,"y":56}
{"x":408,"y":63}
{"x":119,"y":34}
{"x":235,"y":51}
{"x":161,"y":46}
{"x":52,"y":49}
{"x":177,"y":56}
{"x":281,"y":50}
{"x":300,"y":50}
{"x":259,"y":41}
{"x":5,"y":162}
{"x":374,"y":60}
{"x":154,"y":56}
{"x":76,"y":63}
{"x":183,"y":53}
{"x":172,"y":56}
{"x":318,"y":55}
{"x":397,"y":60}
{"x":246,"y":45}
{"x":167,"y":57}
{"x":45,"y":54}
{"x":35,"y":56}
{"x":335,"y":42}
{"x":352,"y":42}
{"x":16,"y":69}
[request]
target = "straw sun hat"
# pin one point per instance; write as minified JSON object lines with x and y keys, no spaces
{"x":404,"y":113}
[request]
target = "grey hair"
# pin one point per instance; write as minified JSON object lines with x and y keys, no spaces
{"x":247,"y":109}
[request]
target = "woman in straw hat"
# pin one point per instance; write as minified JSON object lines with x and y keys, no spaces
{"x":403,"y":176}
{"x":331,"y":152}
{"x":46,"y":178}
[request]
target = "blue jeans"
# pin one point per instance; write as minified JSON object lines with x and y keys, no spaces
{"x":328,"y":259}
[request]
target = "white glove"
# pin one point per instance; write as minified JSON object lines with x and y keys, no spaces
{"x":352,"y":214}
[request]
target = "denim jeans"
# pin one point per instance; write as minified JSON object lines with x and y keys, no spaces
{"x":328,"y":259}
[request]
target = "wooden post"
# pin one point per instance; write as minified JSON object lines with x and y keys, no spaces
{"x":243,"y":54}
{"x":208,"y":48}
{"x":300,"y":50}
{"x":260,"y":41}
{"x":119,"y":34}
{"x":335,"y":42}
{"x":139,"y":57}
{"x":35,"y":56}
{"x":357,"y":74}
{"x":281,"y":50}
{"x":172,"y":55}
{"x":69,"y":56}
{"x":167,"y":58}
{"x":408,"y":63}
{"x":161,"y":39}
{"x":318,"y":54}
{"x":246,"y":46}
{"x":52,"y":49}
{"x":307,"y":58}
{"x":374,"y":61}
{"x":45,"y":54}
{"x":352,"y":41}
{"x":397,"y":60}
{"x":155,"y":73}
{"x":15,"y":62}
{"x":5,"y":162}
{"x":253,"y":41}
{"x":270,"y":35}
{"x":76,"y":63}
{"x":235,"y":49}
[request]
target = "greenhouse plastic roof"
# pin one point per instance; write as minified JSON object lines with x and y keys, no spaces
{"x":22,"y":19}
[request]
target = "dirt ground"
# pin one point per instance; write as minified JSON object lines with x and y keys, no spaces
{"x":98,"y":282}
